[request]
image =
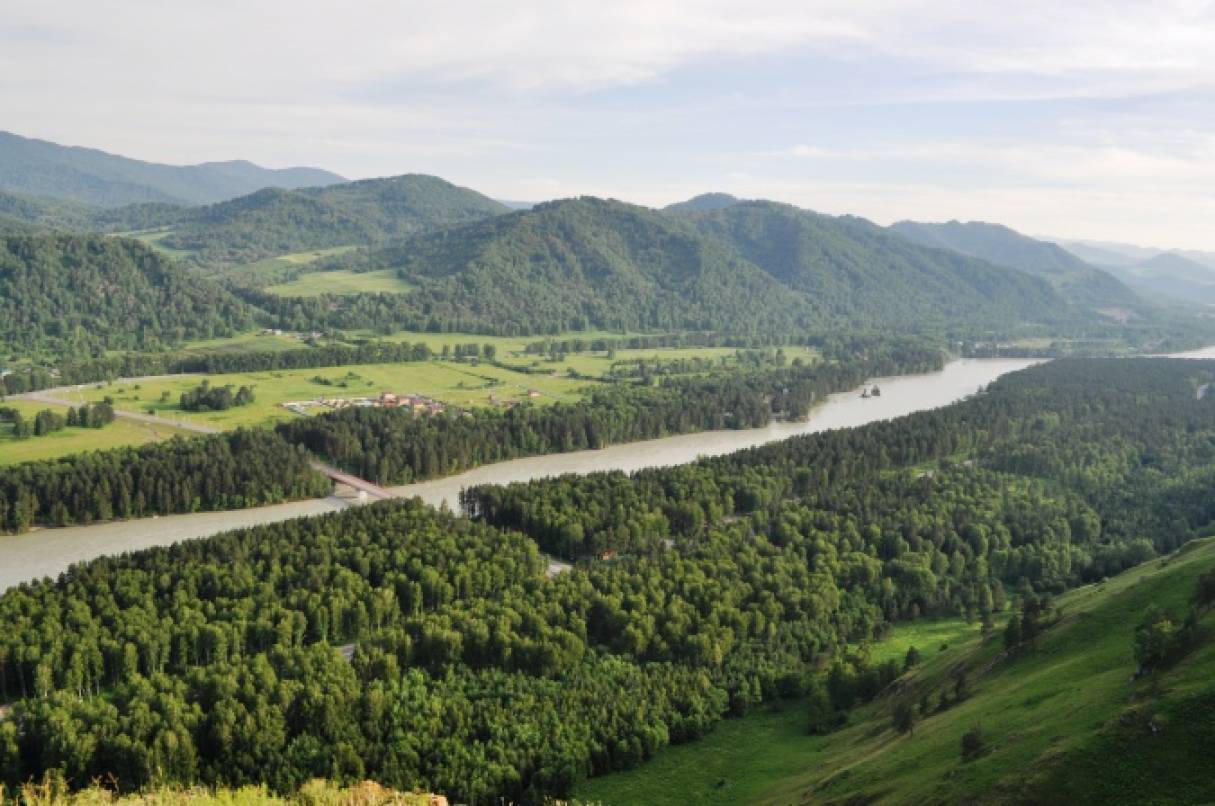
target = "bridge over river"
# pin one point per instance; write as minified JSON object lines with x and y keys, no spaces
{"x":364,"y":488}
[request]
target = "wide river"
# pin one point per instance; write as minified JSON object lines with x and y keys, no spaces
{"x":48,"y":552}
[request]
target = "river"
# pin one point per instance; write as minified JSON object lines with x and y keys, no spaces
{"x":48,"y":552}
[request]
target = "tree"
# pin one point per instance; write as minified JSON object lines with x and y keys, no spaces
{"x":973,"y":744}
{"x":911,"y":659}
{"x":904,"y":717}
{"x":1156,"y":638}
{"x":820,"y":713}
{"x":1012,"y":633}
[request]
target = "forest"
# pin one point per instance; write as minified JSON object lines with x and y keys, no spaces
{"x":425,"y":649}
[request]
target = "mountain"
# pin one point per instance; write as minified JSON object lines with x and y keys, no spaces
{"x":39,"y":167}
{"x":1171,"y":276}
{"x":750,"y":266}
{"x":1075,"y":279}
{"x":274,"y":221}
{"x":70,"y":294}
{"x":850,"y":270}
{"x":704,"y":203}
{"x":579,"y":262}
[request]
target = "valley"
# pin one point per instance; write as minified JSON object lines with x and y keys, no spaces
{"x":675,"y":493}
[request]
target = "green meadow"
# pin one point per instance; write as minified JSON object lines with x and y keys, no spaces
{"x":73,"y":440}
{"x":341,"y":283}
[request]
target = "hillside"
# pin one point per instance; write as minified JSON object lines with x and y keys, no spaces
{"x":1075,"y":279}
{"x":850,"y":270}
{"x":1062,"y":721}
{"x":590,"y":262}
{"x":39,"y":167}
{"x":80,"y":294}
{"x":274,"y":221}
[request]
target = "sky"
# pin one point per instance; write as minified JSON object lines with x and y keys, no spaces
{"x":1071,"y":119}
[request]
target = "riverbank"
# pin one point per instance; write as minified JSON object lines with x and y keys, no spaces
{"x":49,"y":552}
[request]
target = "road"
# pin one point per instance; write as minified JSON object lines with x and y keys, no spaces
{"x":46,"y":396}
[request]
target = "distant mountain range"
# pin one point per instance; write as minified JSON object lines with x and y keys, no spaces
{"x":42,"y":168}
{"x":1077,"y":280}
{"x":1177,"y":275}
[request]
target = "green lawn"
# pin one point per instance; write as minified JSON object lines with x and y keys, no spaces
{"x":1053,"y":717}
{"x":342,"y":283}
{"x":73,"y":440}
{"x":456,"y":384}
{"x":255,"y":341}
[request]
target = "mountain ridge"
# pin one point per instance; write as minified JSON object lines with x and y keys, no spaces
{"x":76,"y":173}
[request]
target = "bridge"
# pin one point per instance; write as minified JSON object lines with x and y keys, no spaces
{"x":364,"y":487}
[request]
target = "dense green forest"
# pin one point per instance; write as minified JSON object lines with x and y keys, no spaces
{"x":589,"y":262}
{"x":80,"y":295}
{"x":851,"y":270}
{"x":225,"y":471}
{"x":737,"y":580}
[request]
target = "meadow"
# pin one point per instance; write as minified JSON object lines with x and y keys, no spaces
{"x":456,"y":384}
{"x":74,"y":440}
{"x":341,"y":283}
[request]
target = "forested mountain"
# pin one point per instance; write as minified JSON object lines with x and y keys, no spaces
{"x":1077,"y":280}
{"x":849,"y":270}
{"x":75,"y":295}
{"x":591,"y":262}
{"x":39,"y":167}
{"x":43,"y":213}
{"x":274,"y":221}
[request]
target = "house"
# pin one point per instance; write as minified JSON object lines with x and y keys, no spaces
{"x":533,"y":393}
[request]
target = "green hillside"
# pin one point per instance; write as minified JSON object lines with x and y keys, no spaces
{"x":42,"y":168}
{"x":1077,"y":280}
{"x":274,"y":221}
{"x":75,"y":295}
{"x":590,"y":262}
{"x":849,"y":270}
{"x":1062,"y":722}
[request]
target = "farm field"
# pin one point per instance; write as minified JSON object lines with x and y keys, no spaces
{"x":341,"y":283}
{"x":1054,"y":717}
{"x":74,"y":440}
{"x":456,"y":384}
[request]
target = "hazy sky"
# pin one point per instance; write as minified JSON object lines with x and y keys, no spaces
{"x":1074,"y":118}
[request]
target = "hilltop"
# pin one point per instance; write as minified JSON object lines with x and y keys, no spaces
{"x":40,"y":167}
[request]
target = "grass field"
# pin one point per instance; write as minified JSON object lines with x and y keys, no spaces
{"x":256,"y":341}
{"x":456,"y":384}
{"x":342,"y":283}
{"x":73,"y":440}
{"x":1064,"y":717}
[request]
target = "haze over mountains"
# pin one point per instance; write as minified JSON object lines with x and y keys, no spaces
{"x":1176,"y":274}
{"x":39,"y":167}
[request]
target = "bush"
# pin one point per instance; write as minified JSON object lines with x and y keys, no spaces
{"x":973,"y":744}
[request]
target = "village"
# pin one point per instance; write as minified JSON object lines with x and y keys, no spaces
{"x":418,"y":404}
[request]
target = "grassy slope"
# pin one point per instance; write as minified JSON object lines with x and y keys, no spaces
{"x":1052,"y":719}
